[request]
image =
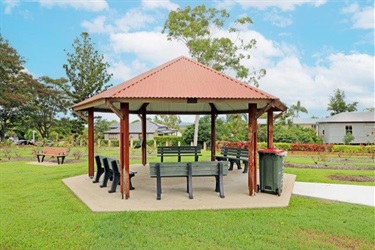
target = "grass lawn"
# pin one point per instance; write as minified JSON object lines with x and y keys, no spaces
{"x":39,"y":212}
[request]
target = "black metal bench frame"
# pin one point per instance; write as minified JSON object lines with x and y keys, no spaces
{"x":189,"y":170}
{"x":179,"y":151}
{"x":110,"y":168}
{"x":234,"y":155}
{"x":59,"y":153}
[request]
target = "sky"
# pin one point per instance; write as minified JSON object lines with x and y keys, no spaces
{"x":309,"y":48}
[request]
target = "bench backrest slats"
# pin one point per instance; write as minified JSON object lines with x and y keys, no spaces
{"x":55,"y":150}
{"x":180,"y":150}
{"x":235,"y":152}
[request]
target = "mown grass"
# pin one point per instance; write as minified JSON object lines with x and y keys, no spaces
{"x":39,"y":212}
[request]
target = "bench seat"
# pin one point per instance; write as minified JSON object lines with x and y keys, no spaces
{"x":188,"y":171}
{"x":58,"y":152}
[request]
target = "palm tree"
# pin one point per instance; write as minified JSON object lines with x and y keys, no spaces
{"x":295,"y":109}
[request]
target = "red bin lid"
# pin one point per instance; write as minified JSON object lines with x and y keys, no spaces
{"x":273,"y":151}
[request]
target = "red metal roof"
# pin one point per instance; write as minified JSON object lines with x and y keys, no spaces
{"x":183,"y":78}
{"x":180,"y":78}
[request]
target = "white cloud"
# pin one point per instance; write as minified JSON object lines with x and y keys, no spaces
{"x":89,"y":5}
{"x":97,"y":25}
{"x":262,"y":5}
{"x":278,"y":20}
{"x":132,"y":20}
{"x":291,"y":81}
{"x":9,"y":5}
{"x":123,"y":72}
{"x":164,"y":4}
{"x":362,"y":18}
{"x":150,"y":46}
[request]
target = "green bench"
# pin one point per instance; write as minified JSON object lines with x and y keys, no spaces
{"x":179,"y":151}
{"x":234,"y":155}
{"x":189,"y":170}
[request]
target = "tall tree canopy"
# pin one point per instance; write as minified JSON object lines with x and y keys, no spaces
{"x":198,"y":28}
{"x":16,"y":86}
{"x":48,"y":102}
{"x":172,"y":121}
{"x":295,"y":109}
{"x":86,"y":70}
{"x":338,"y":105}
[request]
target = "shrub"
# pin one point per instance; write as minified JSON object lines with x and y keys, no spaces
{"x":171,"y":140}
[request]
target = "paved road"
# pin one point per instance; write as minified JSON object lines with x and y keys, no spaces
{"x":364,"y":195}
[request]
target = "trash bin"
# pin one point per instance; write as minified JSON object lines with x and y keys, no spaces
{"x":271,"y":168}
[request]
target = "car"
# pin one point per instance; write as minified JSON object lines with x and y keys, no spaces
{"x":48,"y":143}
{"x":24,"y":142}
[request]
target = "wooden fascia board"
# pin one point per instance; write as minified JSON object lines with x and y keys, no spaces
{"x":89,"y":105}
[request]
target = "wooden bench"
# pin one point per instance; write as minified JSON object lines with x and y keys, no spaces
{"x":57,"y":152}
{"x":111,"y":172}
{"x":179,"y":151}
{"x":188,"y":171}
{"x":234,"y":155}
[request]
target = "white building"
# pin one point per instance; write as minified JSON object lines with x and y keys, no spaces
{"x":360,"y":124}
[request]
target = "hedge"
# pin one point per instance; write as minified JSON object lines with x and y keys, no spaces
{"x":304,"y":147}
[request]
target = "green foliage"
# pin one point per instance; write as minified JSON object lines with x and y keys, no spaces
{"x":294,"y":134}
{"x":338,"y":105}
{"x":100,"y":126}
{"x":171,"y":121}
{"x":86,"y":71}
{"x":115,"y":143}
{"x":46,"y":104}
{"x":354,"y":148}
{"x":295,"y":109}
{"x":16,"y":87}
{"x":348,"y":138}
{"x":171,"y":140}
{"x":196,"y":27}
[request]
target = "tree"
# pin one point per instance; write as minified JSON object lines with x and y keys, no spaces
{"x":16,"y":86}
{"x":171,"y":121}
{"x":196,"y":27}
{"x":348,"y":138}
{"x":338,"y":105}
{"x":86,"y":72}
{"x":295,"y":109}
{"x":47,"y":102}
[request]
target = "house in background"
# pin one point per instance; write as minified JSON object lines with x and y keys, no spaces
{"x":360,"y":124}
{"x":135,"y":131}
{"x":306,"y":122}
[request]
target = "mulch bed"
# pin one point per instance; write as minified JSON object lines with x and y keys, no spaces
{"x":323,"y":166}
{"x":356,"y":178}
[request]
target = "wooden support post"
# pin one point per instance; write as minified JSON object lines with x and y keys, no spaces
{"x":124,"y":151}
{"x":213,"y":134}
{"x":252,"y":148}
{"x":144,"y":136}
{"x":90,"y":140}
{"x":270,"y":128}
{"x":213,"y":131}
